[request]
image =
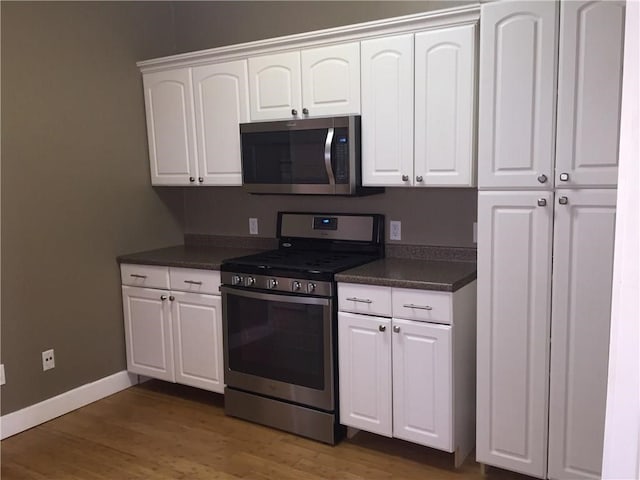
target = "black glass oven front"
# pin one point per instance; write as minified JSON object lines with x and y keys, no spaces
{"x":279,"y":345}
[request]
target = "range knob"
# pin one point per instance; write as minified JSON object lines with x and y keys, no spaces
{"x":311,"y":287}
{"x":249,"y":282}
{"x":273,"y":283}
{"x":295,"y":286}
{"x":236,"y":280}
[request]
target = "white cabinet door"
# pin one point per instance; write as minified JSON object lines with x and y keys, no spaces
{"x":197,"y":339}
{"x":445,"y":107}
{"x":422,"y":383}
{"x":589,"y":91}
{"x":517,"y":92}
{"x":387,"y":111}
{"x":514,"y":275}
{"x":169,"y":108}
{"x":147,"y":328}
{"x":582,"y":281}
{"x":221,"y":94}
{"x":331,"y":80}
{"x":274,"y":86}
{"x":364,"y":363}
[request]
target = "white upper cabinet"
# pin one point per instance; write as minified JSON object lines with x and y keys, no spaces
{"x":331,"y":80}
{"x":387,"y":111}
{"x":581,"y":310}
{"x":221,"y":97}
{"x":169,"y":110}
{"x":517,"y":92}
{"x":445,"y":107}
{"x":514,"y":307}
{"x":314,"y":82}
{"x":274,"y":86}
{"x":418,"y":109}
{"x":589,"y":93}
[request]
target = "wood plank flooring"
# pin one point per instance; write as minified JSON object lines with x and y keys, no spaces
{"x":159,"y":430}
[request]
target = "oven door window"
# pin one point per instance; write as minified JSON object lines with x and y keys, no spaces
{"x":277,"y":340}
{"x":287,"y":157}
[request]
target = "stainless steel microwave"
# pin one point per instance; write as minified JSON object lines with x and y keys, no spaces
{"x":317,"y":156}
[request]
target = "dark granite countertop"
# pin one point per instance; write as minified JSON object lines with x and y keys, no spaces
{"x":187,"y":256}
{"x":440,"y":275}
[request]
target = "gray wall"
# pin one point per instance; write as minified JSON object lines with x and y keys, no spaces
{"x":429,"y":216}
{"x":75,"y":186}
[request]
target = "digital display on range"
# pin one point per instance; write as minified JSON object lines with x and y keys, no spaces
{"x":325,"y":223}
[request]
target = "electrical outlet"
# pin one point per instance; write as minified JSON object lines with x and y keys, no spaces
{"x":48,"y":360}
{"x":253,"y":226}
{"x":395,"y":230}
{"x":3,"y":380}
{"x":475,"y":232}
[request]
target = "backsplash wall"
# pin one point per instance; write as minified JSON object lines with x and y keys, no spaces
{"x":429,"y":216}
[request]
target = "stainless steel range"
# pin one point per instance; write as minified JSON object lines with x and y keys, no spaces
{"x":280,"y":321}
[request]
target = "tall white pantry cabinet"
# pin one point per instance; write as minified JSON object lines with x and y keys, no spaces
{"x":549,"y":109}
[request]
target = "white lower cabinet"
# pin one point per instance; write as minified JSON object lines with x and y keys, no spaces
{"x":171,"y":334}
{"x":408,"y":379}
{"x":148,"y":332}
{"x":364,"y":366}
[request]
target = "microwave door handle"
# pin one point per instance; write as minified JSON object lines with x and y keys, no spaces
{"x":327,"y":156}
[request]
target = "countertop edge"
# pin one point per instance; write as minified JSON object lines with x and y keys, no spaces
{"x":414,"y":284}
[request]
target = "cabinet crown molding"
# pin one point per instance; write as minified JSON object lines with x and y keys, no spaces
{"x":360,"y":31}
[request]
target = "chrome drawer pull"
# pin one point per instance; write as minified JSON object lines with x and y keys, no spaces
{"x":361,"y":300}
{"x":135,"y":275}
{"x":192,"y":282}
{"x":419,"y":307}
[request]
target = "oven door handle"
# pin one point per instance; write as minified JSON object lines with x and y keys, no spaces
{"x":327,"y":156}
{"x":275,"y":297}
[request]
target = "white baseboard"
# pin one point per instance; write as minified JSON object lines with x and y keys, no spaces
{"x":51,"y":408}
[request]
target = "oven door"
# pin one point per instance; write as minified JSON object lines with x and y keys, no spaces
{"x":279,"y":345}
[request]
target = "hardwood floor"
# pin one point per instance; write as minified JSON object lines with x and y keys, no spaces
{"x":159,"y":430}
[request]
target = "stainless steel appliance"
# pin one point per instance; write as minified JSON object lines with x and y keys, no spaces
{"x":280,"y":321}
{"x":319,"y":156}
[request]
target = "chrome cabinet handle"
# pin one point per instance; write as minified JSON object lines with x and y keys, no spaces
{"x":294,"y":112}
{"x":563,"y":200}
{"x":382,"y":328}
{"x":396,"y":328}
{"x":135,"y":275}
{"x":542,"y":178}
{"x":192,"y":282}
{"x":192,"y":179}
{"x":542,"y":202}
{"x":564,"y":177}
{"x":419,"y":178}
{"x":172,"y":298}
{"x":200,"y":179}
{"x":361,"y":300}
{"x":405,"y":178}
{"x":163,"y":297}
{"x":305,"y":111}
{"x":419,"y":307}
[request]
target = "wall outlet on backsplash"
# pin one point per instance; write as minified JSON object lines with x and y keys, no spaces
{"x":395,"y":230}
{"x":253,"y":226}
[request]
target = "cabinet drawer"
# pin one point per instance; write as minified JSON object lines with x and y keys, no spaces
{"x":421,"y":305}
{"x":196,"y":281}
{"x":147,"y":276}
{"x":367,"y":299}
